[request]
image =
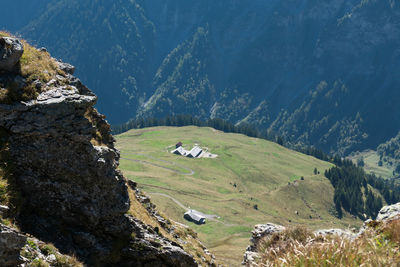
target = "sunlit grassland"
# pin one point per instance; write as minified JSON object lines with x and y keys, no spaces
{"x":247,"y":173}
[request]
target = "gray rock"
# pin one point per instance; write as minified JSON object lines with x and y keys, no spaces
{"x":260,"y":231}
{"x":37,"y":84}
{"x":51,"y":258}
{"x":67,"y":68}
{"x":337,"y":232}
{"x":11,"y":243}
{"x":11,"y":50}
{"x":250,"y":258}
{"x":388,"y":212}
{"x":4,"y":210}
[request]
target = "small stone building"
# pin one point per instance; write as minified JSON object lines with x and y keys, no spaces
{"x":194,"y":216}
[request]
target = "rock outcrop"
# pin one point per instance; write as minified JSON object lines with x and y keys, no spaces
{"x":63,"y":166}
{"x":388,"y":212}
{"x":19,"y":249}
{"x":11,"y":51}
{"x":11,"y":243}
{"x":260,"y":231}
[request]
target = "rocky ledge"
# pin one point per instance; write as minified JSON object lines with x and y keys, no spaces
{"x":262,"y":231}
{"x":62,"y":167}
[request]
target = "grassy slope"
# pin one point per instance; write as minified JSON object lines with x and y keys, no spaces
{"x":371,"y":159}
{"x":260,"y":169}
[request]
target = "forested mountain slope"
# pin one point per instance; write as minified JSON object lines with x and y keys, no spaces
{"x":316,"y":72}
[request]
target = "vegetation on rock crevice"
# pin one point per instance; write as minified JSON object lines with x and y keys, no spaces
{"x":35,"y":68}
{"x":9,"y":194}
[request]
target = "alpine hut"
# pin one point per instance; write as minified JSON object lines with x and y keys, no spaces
{"x":195,"y":152}
{"x":180,"y":151}
{"x":194,"y":216}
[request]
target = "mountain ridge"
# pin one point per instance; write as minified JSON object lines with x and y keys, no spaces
{"x":258,"y":65}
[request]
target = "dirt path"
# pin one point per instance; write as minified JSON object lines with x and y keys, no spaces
{"x":172,"y":198}
{"x":210,"y":217}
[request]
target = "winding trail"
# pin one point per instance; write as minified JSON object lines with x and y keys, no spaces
{"x":211,"y":217}
{"x":172,"y":198}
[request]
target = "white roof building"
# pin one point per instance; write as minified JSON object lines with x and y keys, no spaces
{"x":194,"y":216}
{"x":180,"y":151}
{"x":195,"y":152}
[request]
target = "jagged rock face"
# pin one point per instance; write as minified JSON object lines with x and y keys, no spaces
{"x":11,"y":51}
{"x":66,"y":182}
{"x":64,"y":166}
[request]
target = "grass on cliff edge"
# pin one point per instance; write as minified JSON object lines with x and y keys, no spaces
{"x":33,"y":65}
{"x":248,"y":173}
{"x":377,"y":246}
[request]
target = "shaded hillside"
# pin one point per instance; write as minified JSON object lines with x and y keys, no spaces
{"x":110,"y":42}
{"x":389,"y":154}
{"x":356,"y":107}
{"x":20,"y":13}
{"x":315,"y":72}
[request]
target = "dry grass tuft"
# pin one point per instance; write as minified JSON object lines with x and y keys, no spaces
{"x":37,"y":65}
{"x":34,"y":65}
{"x":299,"y":247}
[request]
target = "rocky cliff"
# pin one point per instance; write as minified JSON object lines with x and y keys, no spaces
{"x":59,"y":169}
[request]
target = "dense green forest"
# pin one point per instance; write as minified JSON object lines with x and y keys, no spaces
{"x":389,"y":153}
{"x":354,"y":190}
{"x":187,"y":120}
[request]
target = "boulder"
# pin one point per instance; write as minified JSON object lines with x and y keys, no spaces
{"x":336,"y":232}
{"x":260,"y":231}
{"x":4,"y":210}
{"x":11,"y":243}
{"x":388,"y":212}
{"x":11,"y":50}
{"x":67,"y":68}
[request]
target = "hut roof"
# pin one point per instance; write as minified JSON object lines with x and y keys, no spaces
{"x":181,"y":151}
{"x":195,"y":152}
{"x":195,"y":216}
